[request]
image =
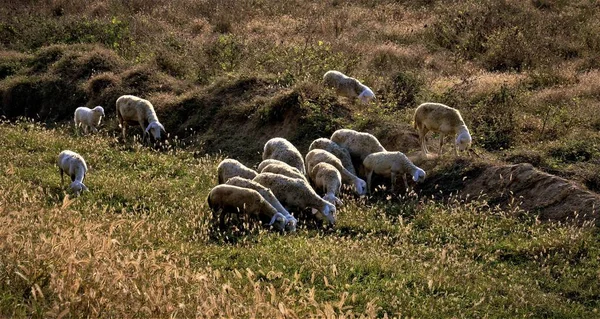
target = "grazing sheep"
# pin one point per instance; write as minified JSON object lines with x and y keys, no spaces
{"x":74,"y":165}
{"x":88,"y":118}
{"x":266,"y":162}
{"x":235,"y":200}
{"x":348,"y":86}
{"x":268,"y":196}
{"x":358,"y":144}
{"x":298,"y":193}
{"x":327,"y":178}
{"x":436,"y":117}
{"x":333,"y":148}
{"x":317,"y":156}
{"x":392,"y":163}
{"x":134,"y":110}
{"x":283,"y":169}
{"x":281,"y":149}
{"x":229,"y":168}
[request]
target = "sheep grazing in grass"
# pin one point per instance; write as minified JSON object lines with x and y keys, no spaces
{"x":88,"y":118}
{"x":281,"y":149}
{"x":392,"y":164}
{"x":317,"y":156}
{"x":229,"y":168}
{"x":328,"y":179}
{"x":266,"y":162}
{"x":133,"y":110}
{"x":266,"y":193}
{"x":335,"y":149}
{"x":347,"y":86}
{"x":283,"y":169}
{"x":297,"y":193}
{"x":229,"y":199}
{"x":436,"y":117}
{"x":358,"y":144}
{"x":73,"y":165}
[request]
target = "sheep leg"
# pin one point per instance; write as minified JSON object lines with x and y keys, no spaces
{"x":369,"y":175}
{"x":441,"y":143}
{"x":423,"y":140}
{"x":393,"y":175}
{"x":62,"y":177}
{"x":405,"y":182}
{"x":123,"y":128}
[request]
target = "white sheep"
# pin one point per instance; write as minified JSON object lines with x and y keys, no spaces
{"x":268,"y":161}
{"x":348,"y":86}
{"x":229,"y":199}
{"x":73,"y":165}
{"x":229,"y":168}
{"x":392,"y":164}
{"x":335,"y":149}
{"x":268,"y":196}
{"x":297,"y":193}
{"x":328,"y":179}
{"x":317,"y":156}
{"x":283,"y":169}
{"x":281,"y":149}
{"x":358,"y":144}
{"x":88,"y":118}
{"x":133,"y":110}
{"x":436,"y":117}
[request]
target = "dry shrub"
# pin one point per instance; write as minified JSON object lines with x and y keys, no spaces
{"x":80,"y":65}
{"x":11,"y":62}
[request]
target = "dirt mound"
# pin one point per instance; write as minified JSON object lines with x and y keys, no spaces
{"x":548,"y":196}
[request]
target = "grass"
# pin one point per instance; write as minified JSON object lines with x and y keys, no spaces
{"x":139,"y":244}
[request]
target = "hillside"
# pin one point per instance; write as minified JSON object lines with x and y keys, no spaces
{"x":507,"y":233}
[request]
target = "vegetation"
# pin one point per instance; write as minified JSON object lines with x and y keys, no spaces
{"x":524,"y":74}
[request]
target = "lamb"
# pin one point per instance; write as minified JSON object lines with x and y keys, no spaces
{"x":348,"y":86}
{"x":333,"y":148}
{"x":88,"y":118}
{"x":283,"y":169}
{"x":134,"y":110}
{"x":281,"y":149}
{"x":358,"y":144}
{"x":74,"y":165}
{"x":391,"y":163}
{"x":229,"y":168}
{"x":445,"y":120}
{"x":326,"y":177}
{"x":268,"y":161}
{"x":268,"y":196}
{"x":298,"y":193}
{"x":317,"y":156}
{"x":233,"y":199}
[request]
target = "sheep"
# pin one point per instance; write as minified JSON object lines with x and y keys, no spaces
{"x":268,"y":196}
{"x":317,"y":156}
{"x":333,"y":148}
{"x":326,"y":177}
{"x":134,"y":110}
{"x":283,"y":169}
{"x":74,"y":165}
{"x":229,"y":168}
{"x":281,"y":149}
{"x":358,"y":144}
{"x":391,"y":163}
{"x":437,"y":117}
{"x":298,"y":193}
{"x":268,"y":161}
{"x":88,"y":118}
{"x":347,"y":86}
{"x":234,"y":199}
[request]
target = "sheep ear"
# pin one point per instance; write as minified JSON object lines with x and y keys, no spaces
{"x":338,"y":201}
{"x":314,"y":211}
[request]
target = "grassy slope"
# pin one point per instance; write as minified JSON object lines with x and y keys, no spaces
{"x":139,"y":245}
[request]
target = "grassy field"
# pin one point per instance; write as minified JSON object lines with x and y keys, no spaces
{"x":227,"y":75}
{"x":139,"y":244}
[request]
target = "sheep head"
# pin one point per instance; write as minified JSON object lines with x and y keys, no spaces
{"x":463,"y":141}
{"x":332,"y":199}
{"x":328,"y":211}
{"x":366,"y":96}
{"x":78,"y":187}
{"x":419,"y":175}
{"x":360,"y":186}
{"x":155,"y":128}
{"x":99,"y":110}
{"x":290,"y":226}
{"x":279,"y":221}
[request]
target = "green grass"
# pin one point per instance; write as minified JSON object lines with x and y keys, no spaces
{"x":139,"y":244}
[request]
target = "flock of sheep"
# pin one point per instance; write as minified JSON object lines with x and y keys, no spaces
{"x":285,"y":180}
